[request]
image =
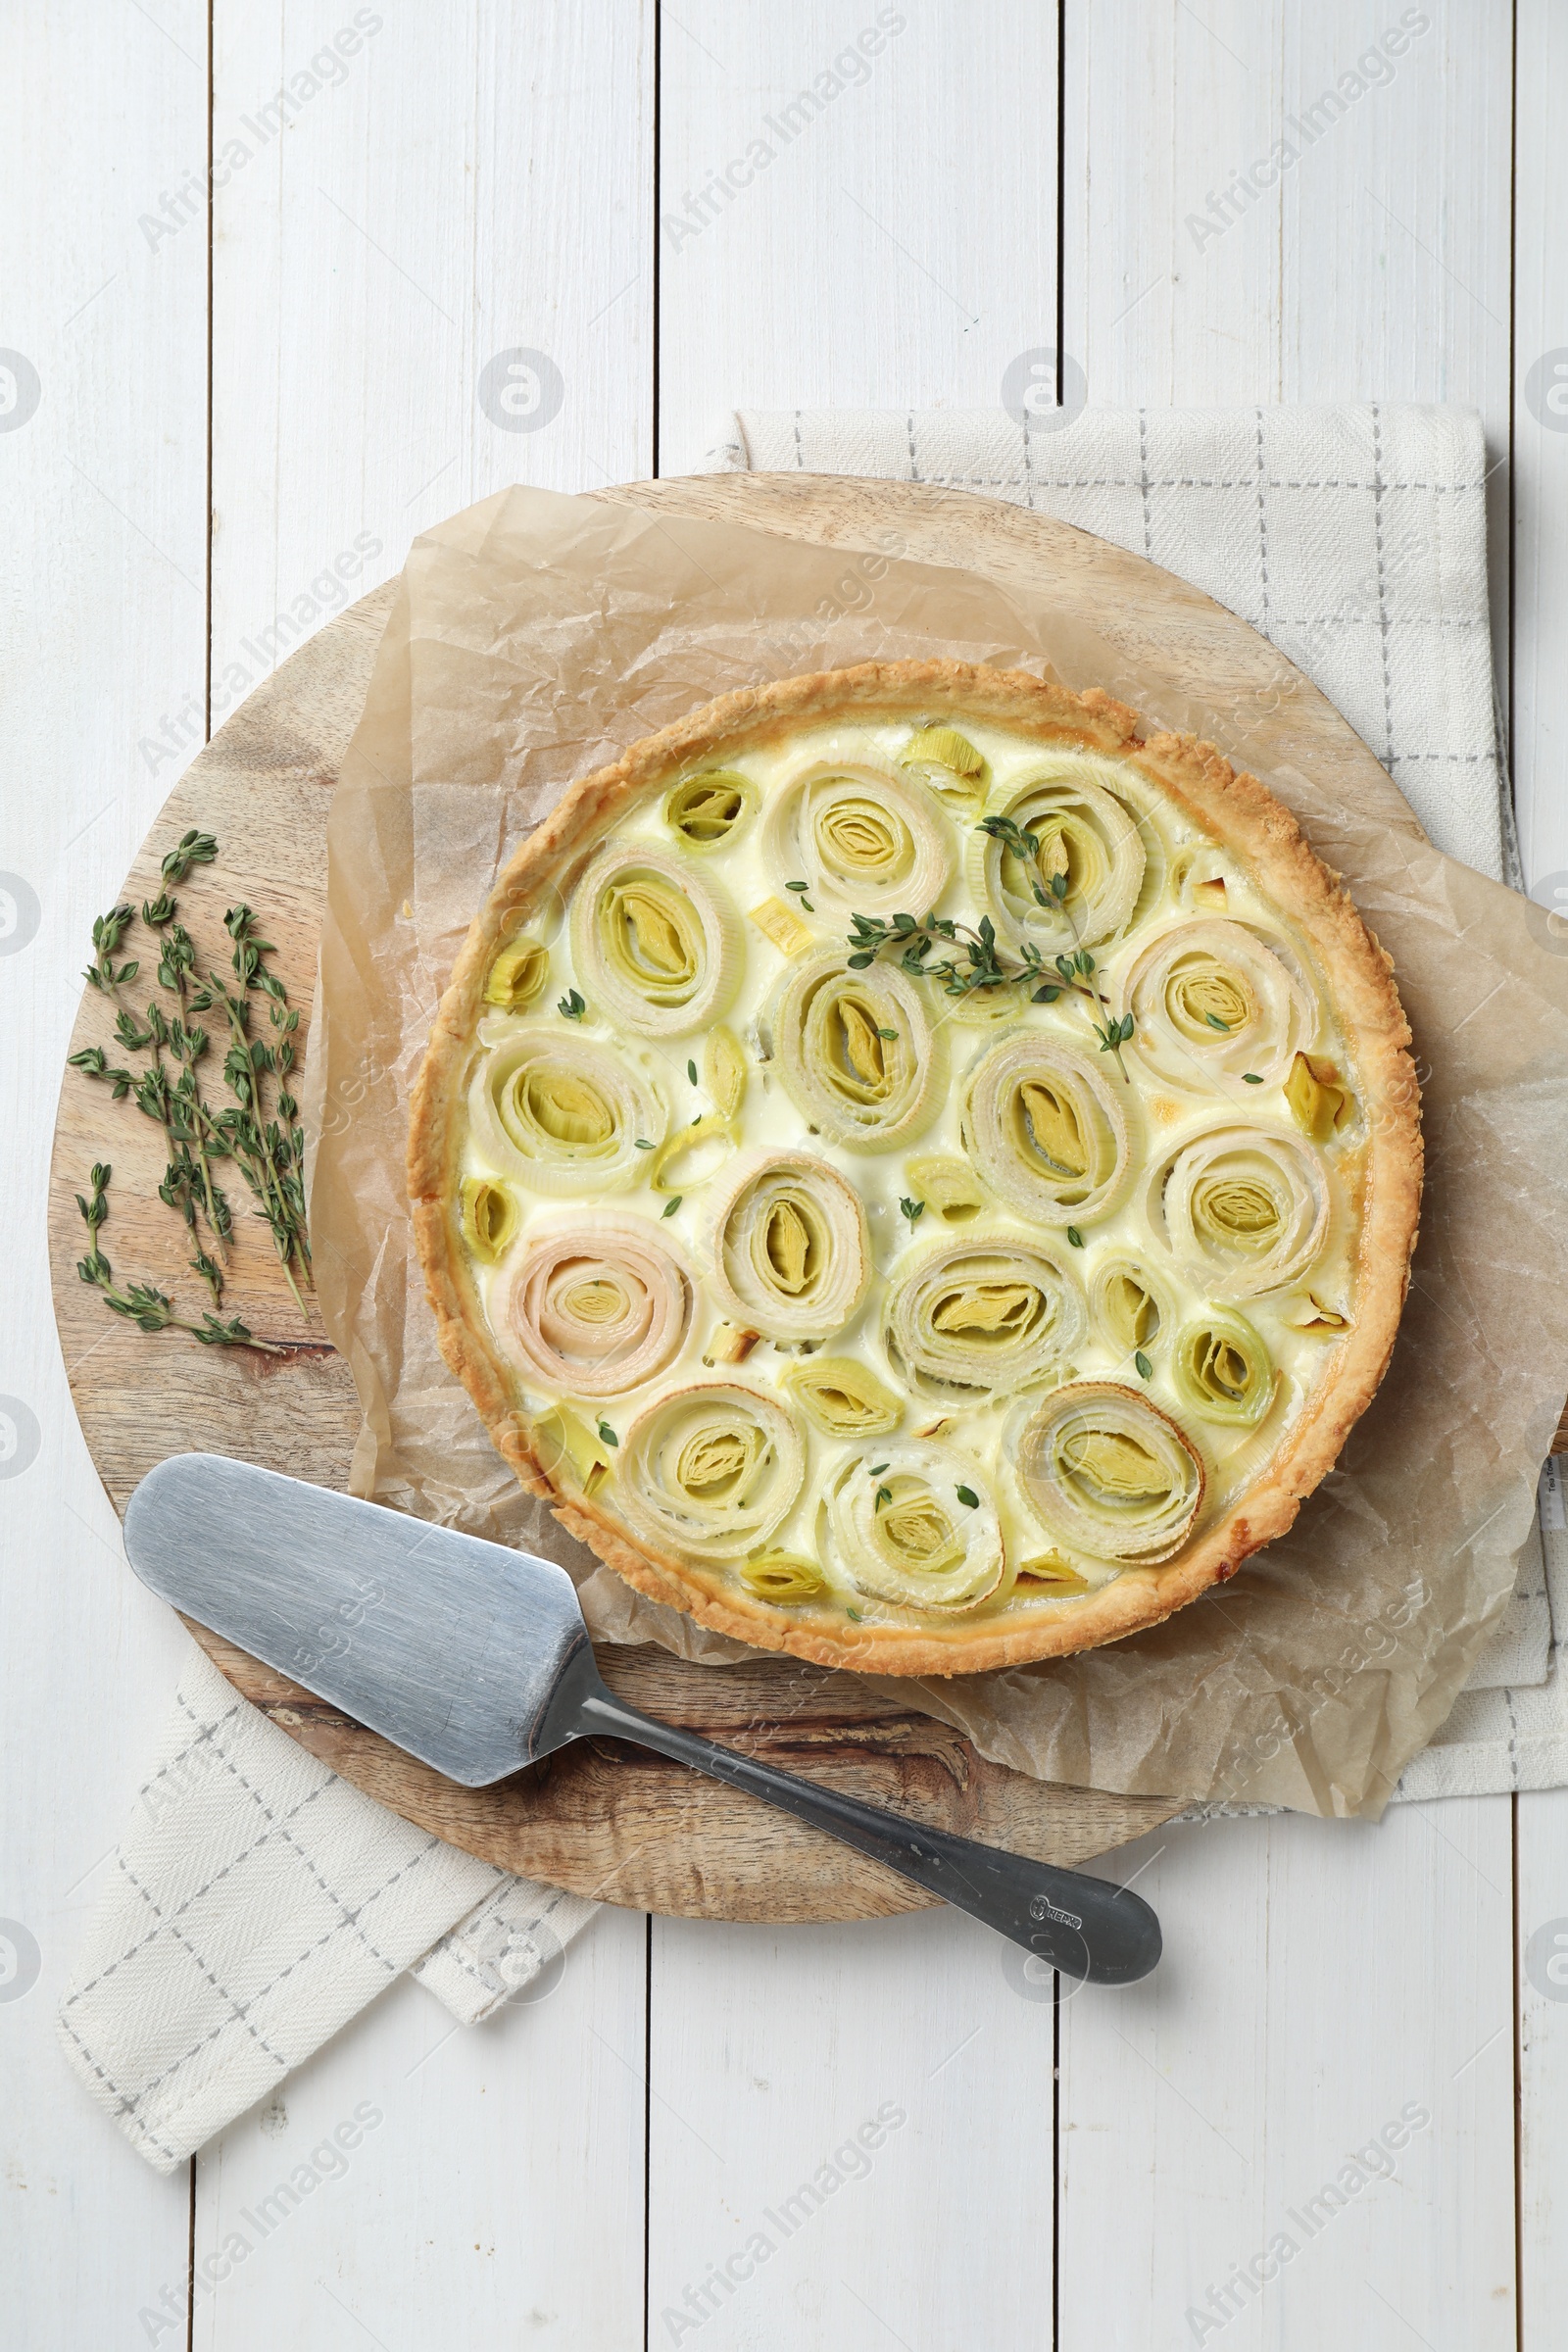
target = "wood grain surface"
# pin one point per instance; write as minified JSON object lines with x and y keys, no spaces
{"x":604,"y":1819}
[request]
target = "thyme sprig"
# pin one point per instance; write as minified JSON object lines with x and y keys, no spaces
{"x":257,"y":1130}
{"x":977,"y":962}
{"x":1076,"y":971}
{"x":974,"y":964}
{"x":149,"y":1309}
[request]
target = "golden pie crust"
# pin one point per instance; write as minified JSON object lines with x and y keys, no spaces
{"x":1240,"y":816}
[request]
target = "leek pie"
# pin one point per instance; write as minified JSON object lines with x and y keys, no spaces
{"x":918,"y":1174}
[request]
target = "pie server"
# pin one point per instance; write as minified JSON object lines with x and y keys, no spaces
{"x":475,"y":1659}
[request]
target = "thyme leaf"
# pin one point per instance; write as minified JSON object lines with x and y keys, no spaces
{"x":193,"y":848}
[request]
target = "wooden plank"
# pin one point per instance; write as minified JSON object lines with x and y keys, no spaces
{"x":417,"y":2175}
{"x":1324,"y":1985}
{"x":1366,"y":256}
{"x":1539,"y":729}
{"x":1398,"y":223}
{"x":464,"y":183}
{"x":898,"y":250}
{"x":1157,"y":100}
{"x":475,"y":182}
{"x":850,"y":2140}
{"x":104,"y":559}
{"x":1293,"y":204}
{"x":1199,"y":2106}
{"x":1543,"y":2062}
{"x":858,"y":208}
{"x":1540,"y":469}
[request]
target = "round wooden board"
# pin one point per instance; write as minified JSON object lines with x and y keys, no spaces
{"x":600,"y":1818}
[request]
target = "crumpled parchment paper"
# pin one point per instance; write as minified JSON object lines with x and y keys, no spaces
{"x":534,"y":637}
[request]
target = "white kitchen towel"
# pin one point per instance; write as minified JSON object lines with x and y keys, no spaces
{"x":1356,"y":540}
{"x":1518,"y":1652}
{"x":1517,"y":1737}
{"x":256,"y":1903}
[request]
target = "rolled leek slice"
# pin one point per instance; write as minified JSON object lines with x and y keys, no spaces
{"x":1090,"y":818}
{"x":562,"y":1115}
{"x":784,"y":1577}
{"x":842,"y":1398}
{"x":1110,"y":1474}
{"x":1221,"y":1369}
{"x":517,"y":977}
{"x":983,"y":1316}
{"x":594,"y":1307}
{"x":949,"y":765}
{"x":710,"y":811}
{"x":1047,"y":1130}
{"x":656,"y":941}
{"x":915,"y":1525}
{"x":790,"y":1249}
{"x":1213,"y":1000}
{"x":1242,"y":1210}
{"x":1129,"y":1305}
{"x":858,"y":1055}
{"x":864,"y":840}
{"x":711,"y":1470}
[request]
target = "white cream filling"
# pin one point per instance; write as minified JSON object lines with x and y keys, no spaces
{"x":985,"y":1435}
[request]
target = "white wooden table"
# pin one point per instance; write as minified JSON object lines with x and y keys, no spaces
{"x":230,"y":404}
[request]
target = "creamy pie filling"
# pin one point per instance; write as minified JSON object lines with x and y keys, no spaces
{"x":877,"y":1300}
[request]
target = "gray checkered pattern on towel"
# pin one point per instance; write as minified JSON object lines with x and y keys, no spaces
{"x":1355,"y":539}
{"x":255,"y":1904}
